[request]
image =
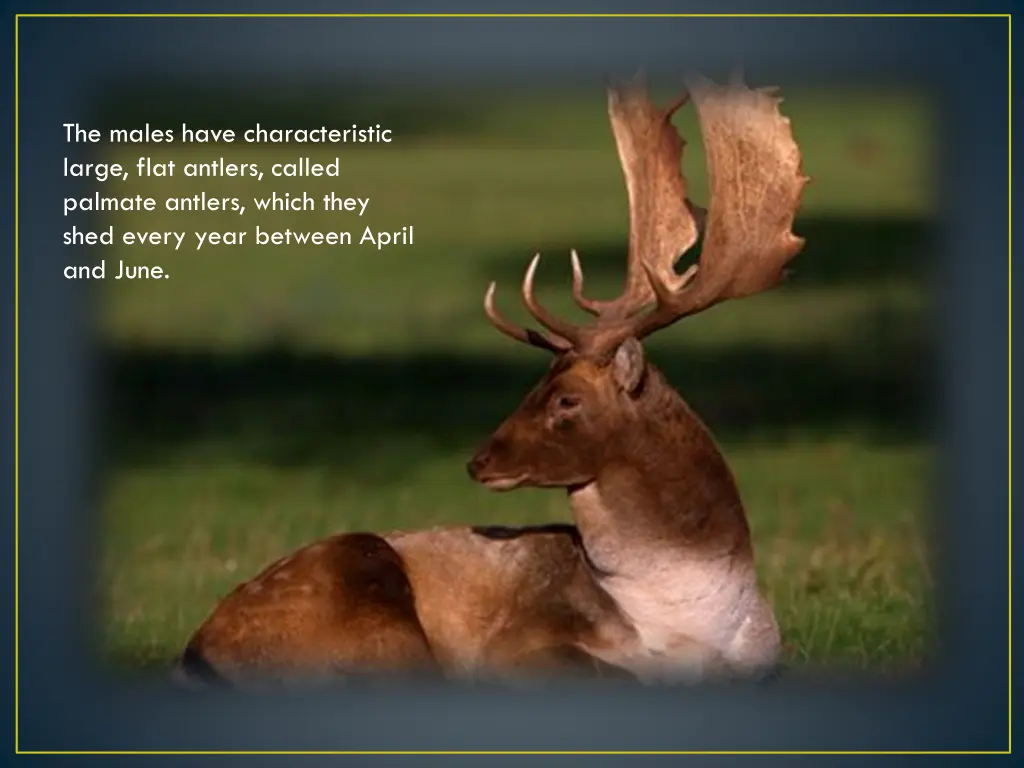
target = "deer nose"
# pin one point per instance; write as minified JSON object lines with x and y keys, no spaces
{"x":476,"y":464}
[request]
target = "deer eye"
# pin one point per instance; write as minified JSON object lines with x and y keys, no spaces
{"x":568,"y":402}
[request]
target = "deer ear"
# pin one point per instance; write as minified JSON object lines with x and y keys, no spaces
{"x":628,"y":365}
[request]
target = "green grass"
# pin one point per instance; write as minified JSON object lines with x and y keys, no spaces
{"x":262,"y":397}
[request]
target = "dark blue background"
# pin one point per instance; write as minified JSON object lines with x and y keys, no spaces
{"x":64,"y":704}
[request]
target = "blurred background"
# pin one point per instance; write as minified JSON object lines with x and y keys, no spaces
{"x":266,"y":396}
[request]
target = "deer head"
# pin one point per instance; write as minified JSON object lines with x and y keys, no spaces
{"x":598,"y":400}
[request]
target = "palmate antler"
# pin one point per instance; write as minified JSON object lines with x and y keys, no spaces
{"x":755,"y":184}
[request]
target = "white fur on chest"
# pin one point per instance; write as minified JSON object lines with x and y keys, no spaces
{"x":669,"y":600}
{"x":685,"y":607}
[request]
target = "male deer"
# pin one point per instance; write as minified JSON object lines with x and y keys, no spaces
{"x":657,"y":579}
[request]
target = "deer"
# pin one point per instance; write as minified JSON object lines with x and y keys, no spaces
{"x":655,"y":580}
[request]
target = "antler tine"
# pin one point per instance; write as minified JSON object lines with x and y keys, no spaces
{"x":587,"y":305}
{"x":755,"y":183}
{"x":566,"y":330}
{"x":525,"y":335}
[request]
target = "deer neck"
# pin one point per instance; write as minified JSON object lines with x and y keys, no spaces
{"x":665,"y":489}
{"x":667,"y":538}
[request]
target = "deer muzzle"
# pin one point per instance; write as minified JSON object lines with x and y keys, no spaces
{"x":481,"y":468}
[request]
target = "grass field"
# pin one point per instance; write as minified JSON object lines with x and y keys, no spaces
{"x":262,"y":397}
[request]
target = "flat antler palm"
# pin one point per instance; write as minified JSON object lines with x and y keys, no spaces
{"x":755,"y":183}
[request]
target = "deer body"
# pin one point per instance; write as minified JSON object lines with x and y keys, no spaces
{"x":658,"y":577}
{"x":459,"y":601}
{"x":497,"y":599}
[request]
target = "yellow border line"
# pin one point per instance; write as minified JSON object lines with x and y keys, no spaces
{"x":17,"y":473}
{"x":1009,"y":377}
{"x":515,"y":15}
{"x":1008,"y":16}
{"x":509,"y":752}
{"x":17,"y":664}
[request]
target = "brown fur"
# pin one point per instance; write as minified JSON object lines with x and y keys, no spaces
{"x":491,"y":597}
{"x":341,"y":604}
{"x":492,"y":601}
{"x":647,"y":449}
